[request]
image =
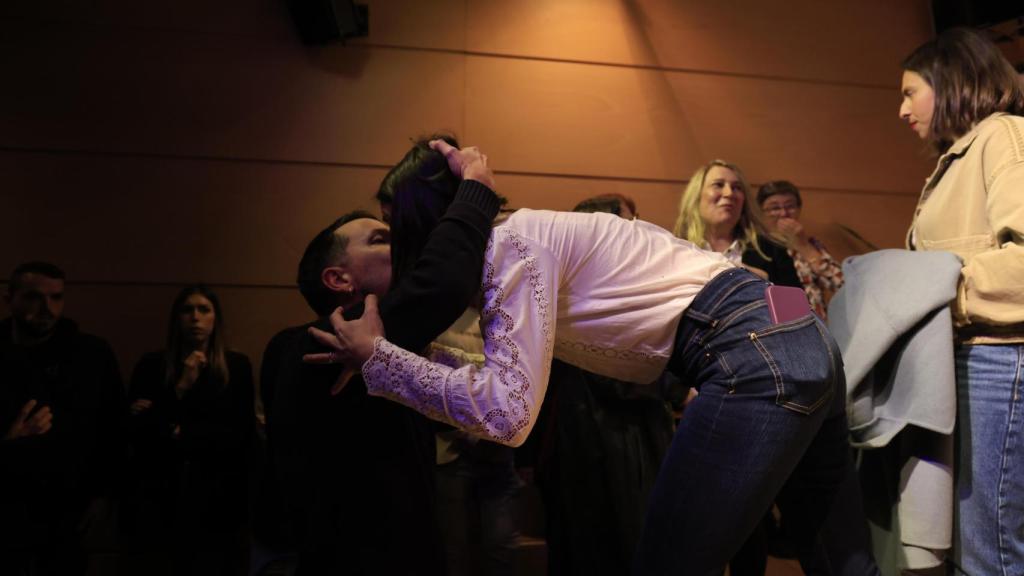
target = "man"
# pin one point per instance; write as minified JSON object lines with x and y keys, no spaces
{"x":61,"y":405}
{"x":351,"y":467}
{"x":356,"y":470}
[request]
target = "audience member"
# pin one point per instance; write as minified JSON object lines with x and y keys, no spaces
{"x":715,"y":215}
{"x":61,"y":406}
{"x":962,"y":96}
{"x":192,"y":421}
{"x":819,"y":273}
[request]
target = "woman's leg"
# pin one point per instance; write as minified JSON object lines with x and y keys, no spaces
{"x":764,"y":393}
{"x":728,"y":461}
{"x":989,"y":520}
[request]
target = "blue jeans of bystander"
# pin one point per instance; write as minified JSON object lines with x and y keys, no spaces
{"x":989,"y":519}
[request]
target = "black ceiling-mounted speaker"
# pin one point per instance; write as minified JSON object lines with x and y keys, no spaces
{"x":325,"y":21}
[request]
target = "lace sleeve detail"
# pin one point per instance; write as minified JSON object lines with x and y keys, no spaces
{"x":497,"y":401}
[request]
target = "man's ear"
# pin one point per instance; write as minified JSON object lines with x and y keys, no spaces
{"x":337,"y":279}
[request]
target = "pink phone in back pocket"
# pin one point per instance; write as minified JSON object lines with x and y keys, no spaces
{"x":786,"y":303}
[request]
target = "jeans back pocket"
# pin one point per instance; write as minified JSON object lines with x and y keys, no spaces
{"x":801,"y":362}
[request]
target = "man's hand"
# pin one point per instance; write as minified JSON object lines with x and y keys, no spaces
{"x":28,"y":424}
{"x":467,"y":163}
{"x":352,"y":341}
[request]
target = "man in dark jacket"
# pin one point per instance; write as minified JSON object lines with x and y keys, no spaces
{"x":356,"y":471}
{"x":61,"y":405}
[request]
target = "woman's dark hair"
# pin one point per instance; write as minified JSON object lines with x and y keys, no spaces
{"x":216,"y":353}
{"x":777,"y":188}
{"x":421,"y":187}
{"x":971,"y":79}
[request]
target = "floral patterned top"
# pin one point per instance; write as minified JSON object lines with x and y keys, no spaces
{"x":820,"y":277}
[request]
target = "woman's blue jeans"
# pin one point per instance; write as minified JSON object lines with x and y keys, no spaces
{"x":769,"y":424}
{"x":989,"y":519}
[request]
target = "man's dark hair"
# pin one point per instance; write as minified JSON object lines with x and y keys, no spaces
{"x":36,"y":267}
{"x":321,"y":252}
{"x":610,"y":203}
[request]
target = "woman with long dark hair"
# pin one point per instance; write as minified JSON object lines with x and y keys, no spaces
{"x":628,"y":300}
{"x":964,"y":98}
{"x":192,"y":421}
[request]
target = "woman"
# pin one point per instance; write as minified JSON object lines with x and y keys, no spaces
{"x":715,"y":215}
{"x":819,"y":273}
{"x":962,"y":97}
{"x":192,"y":421}
{"x":626,"y":299}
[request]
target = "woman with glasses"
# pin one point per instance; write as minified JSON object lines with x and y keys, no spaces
{"x":819,"y":273}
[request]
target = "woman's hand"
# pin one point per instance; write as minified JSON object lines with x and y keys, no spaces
{"x":468,"y":163}
{"x":352,"y":341}
{"x":194,"y":364}
{"x":139,"y":406}
{"x":791,"y":231}
{"x":795,"y":238}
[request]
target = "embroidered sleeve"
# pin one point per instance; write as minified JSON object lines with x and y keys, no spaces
{"x":499,"y":400}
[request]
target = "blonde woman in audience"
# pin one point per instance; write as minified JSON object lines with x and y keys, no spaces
{"x":714,"y":213}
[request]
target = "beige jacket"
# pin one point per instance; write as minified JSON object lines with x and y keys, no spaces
{"x":973,"y":206}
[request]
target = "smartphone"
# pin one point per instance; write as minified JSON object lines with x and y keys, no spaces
{"x":786,"y":303}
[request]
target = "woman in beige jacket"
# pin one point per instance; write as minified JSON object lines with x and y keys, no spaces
{"x":962,"y":96}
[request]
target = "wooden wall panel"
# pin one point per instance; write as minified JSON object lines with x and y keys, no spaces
{"x":141,"y":91}
{"x":114,"y":219}
{"x":438,"y":24}
{"x":836,"y":137}
{"x":545,"y":117}
{"x":267,"y":18}
{"x":850,"y":42}
{"x":556,"y":118}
